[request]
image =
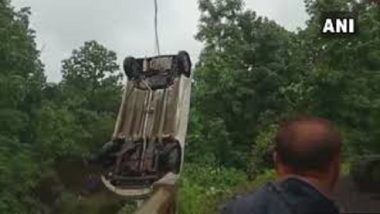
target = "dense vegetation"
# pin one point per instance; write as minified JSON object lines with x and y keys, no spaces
{"x":252,"y":73}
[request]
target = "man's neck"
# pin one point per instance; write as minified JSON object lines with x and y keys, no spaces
{"x":322,"y":185}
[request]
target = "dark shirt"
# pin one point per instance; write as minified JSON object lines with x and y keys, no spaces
{"x":290,"y":196}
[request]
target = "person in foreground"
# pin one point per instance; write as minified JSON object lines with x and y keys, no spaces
{"x":307,"y":160}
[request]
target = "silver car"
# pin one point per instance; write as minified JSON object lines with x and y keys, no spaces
{"x":149,"y":136}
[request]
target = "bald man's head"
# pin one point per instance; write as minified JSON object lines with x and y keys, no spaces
{"x":308,"y":144}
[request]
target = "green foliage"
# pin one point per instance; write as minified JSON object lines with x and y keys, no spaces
{"x":91,"y":78}
{"x":89,"y":95}
{"x":344,"y":76}
{"x":204,"y":189}
{"x":345,"y":168}
{"x":21,"y":81}
{"x":261,"y":158}
{"x":215,"y":179}
{"x":268,"y":175}
{"x":103,"y":203}
{"x":252,"y":73}
{"x":16,"y":164}
{"x":41,"y":123}
{"x":240,"y":80}
{"x":202,"y":186}
{"x":192,"y":198}
{"x":129,"y":208}
{"x":57,"y":132}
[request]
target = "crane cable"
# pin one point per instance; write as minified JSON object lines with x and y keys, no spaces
{"x":156,"y":27}
{"x":163,"y":109}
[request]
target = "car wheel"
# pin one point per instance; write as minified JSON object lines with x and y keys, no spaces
{"x":131,"y":68}
{"x":184,"y":63}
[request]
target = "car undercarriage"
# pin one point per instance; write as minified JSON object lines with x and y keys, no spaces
{"x":149,"y":136}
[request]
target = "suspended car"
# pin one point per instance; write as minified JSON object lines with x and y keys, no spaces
{"x":149,"y":135}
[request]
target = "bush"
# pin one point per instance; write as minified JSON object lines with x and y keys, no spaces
{"x":261,"y":158}
{"x":205,"y":190}
{"x":191,"y":198}
{"x":202,"y":186}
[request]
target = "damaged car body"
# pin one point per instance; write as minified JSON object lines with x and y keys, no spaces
{"x":149,"y":135}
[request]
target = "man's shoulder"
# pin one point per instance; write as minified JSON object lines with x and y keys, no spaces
{"x":291,"y":195}
{"x":261,"y":201}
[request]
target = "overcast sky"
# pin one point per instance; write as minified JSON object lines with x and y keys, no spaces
{"x":126,"y":26}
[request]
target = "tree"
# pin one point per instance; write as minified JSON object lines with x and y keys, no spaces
{"x":21,"y":83}
{"x":78,"y":114}
{"x":91,"y":75}
{"x":239,"y":78}
{"x":344,"y":72}
{"x":252,"y":73}
{"x":80,"y":111}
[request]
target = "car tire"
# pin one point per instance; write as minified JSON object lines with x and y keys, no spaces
{"x":184,"y":63}
{"x":131,"y":68}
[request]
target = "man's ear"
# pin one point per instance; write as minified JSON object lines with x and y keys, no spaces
{"x":334,"y":170}
{"x":280,"y":168}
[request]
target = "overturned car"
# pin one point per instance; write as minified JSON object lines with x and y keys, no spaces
{"x":149,"y":136}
